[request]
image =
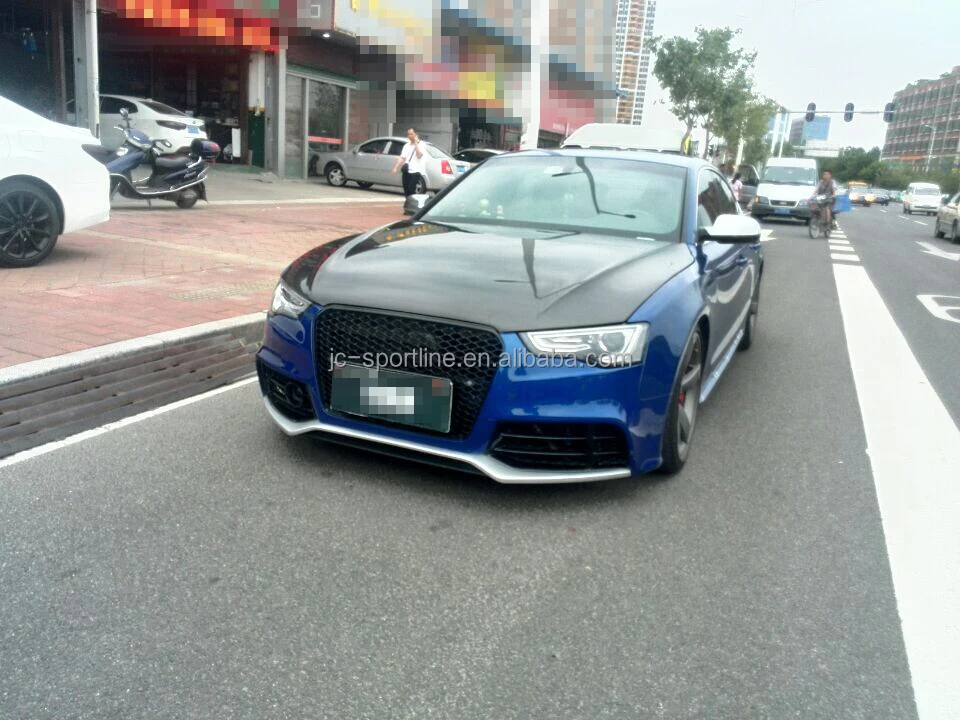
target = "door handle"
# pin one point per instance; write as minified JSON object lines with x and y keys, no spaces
{"x":742,"y":260}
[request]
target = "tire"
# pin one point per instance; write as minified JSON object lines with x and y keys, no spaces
{"x":29,"y":224}
{"x":335,"y":176}
{"x":681,"y":423}
{"x":750,"y":327}
{"x":813,"y":229}
{"x":187,"y":199}
{"x":365,"y":185}
{"x":420,"y":188}
{"x":937,"y":232}
{"x":954,"y":236}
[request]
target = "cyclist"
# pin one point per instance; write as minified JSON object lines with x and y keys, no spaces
{"x":828,"y":188}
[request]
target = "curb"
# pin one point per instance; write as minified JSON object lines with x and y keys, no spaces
{"x":245,"y":327}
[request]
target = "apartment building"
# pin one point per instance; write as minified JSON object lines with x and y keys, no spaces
{"x":633,"y":35}
{"x":926,"y":124}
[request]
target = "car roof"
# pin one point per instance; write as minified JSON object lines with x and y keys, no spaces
{"x":651,"y":156}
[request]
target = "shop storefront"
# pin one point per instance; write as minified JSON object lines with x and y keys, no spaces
{"x":316,"y":112}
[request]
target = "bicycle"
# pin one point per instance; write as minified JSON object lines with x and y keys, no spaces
{"x":820,"y":223}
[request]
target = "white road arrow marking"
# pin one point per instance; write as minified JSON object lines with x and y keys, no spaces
{"x":766,"y":235}
{"x":941,"y":311}
{"x":931,"y":249}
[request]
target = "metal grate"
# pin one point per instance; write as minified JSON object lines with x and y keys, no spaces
{"x":474,"y":351}
{"x":568,"y":446}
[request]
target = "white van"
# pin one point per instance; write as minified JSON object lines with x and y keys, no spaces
{"x":619,"y":136}
{"x":921,"y":197}
{"x":786,"y":184}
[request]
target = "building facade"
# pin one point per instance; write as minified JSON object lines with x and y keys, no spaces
{"x":633,"y":36}
{"x":926,"y":125}
{"x":801,"y":130}
{"x":283,"y":81}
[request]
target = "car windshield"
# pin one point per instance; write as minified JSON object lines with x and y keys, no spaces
{"x":926,"y":191}
{"x":779,"y":175}
{"x":163,"y":109}
{"x":588,"y":194}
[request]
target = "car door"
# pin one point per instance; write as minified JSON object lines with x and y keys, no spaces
{"x":729,"y":274}
{"x":949,"y":214}
{"x":393,"y":153}
{"x":366,"y":164}
{"x":750,"y":179}
{"x":110,"y":137}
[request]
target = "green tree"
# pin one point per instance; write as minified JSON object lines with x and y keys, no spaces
{"x":702,"y":76}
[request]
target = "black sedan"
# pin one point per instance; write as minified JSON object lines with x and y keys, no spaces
{"x":881,"y":197}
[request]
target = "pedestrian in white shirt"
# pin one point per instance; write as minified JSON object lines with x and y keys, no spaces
{"x":737,"y":186}
{"x":413,"y":162}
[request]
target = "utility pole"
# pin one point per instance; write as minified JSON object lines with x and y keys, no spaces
{"x":933,"y":135}
{"x":783,"y":134}
{"x":539,"y":37}
{"x":93,"y":68}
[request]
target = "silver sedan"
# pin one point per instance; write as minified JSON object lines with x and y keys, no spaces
{"x":372,"y":162}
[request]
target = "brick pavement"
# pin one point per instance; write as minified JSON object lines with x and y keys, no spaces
{"x":151,"y":270}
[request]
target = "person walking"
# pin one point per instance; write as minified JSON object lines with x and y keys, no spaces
{"x":412,"y":162}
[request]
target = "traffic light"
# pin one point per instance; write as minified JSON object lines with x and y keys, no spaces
{"x":848,"y":112}
{"x":811,"y":112}
{"x":888,"y":113}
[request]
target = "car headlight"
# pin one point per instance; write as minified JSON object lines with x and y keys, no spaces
{"x":760,"y":200}
{"x":613,"y":346}
{"x":287,"y":302}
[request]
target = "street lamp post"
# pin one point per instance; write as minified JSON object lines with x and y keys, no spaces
{"x":933,"y":135}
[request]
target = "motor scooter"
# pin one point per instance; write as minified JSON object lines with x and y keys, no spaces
{"x":178,"y":178}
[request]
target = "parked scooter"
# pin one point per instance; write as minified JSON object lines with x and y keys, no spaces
{"x":177,"y":178}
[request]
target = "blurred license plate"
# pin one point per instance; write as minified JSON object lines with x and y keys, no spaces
{"x":461,"y":169}
{"x":404,"y":398}
{"x":782,"y":211}
{"x":193,"y":130}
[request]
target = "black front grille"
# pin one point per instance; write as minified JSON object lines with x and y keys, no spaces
{"x":290,"y":397}
{"x":416,"y":345}
{"x":783,"y":203}
{"x":560,"y":446}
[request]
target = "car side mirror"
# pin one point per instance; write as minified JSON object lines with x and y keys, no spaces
{"x":732,"y":229}
{"x":124,"y":113}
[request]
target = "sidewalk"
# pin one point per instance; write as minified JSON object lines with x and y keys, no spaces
{"x":151,"y":270}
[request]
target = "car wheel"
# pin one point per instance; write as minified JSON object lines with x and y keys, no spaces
{"x":954,"y":233}
{"x":29,"y":224}
{"x":750,"y":329}
{"x":937,"y":232}
{"x":335,"y":176}
{"x":365,"y":185}
{"x":420,"y":188}
{"x":683,"y":408}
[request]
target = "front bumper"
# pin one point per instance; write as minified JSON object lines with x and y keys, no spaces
{"x":540,"y":395}
{"x":801,"y":211}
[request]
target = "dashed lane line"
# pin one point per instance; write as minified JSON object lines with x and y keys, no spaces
{"x":845,"y":258}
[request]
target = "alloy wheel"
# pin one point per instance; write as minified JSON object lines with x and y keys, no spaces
{"x":688,"y":399}
{"x":28,"y":227}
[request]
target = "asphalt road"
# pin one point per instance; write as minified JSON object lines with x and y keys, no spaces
{"x":198,"y":564}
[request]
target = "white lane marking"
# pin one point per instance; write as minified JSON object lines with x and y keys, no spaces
{"x":920,"y":222}
{"x":840,"y":244}
{"x":766,"y":235}
{"x":88,"y":434}
{"x":914,"y":450}
{"x":939,"y":311}
{"x":901,"y":217}
{"x":883,"y":211}
{"x":931,"y":249}
{"x":852,"y":258}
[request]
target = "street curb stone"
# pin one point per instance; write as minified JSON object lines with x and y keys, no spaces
{"x":245,"y":327}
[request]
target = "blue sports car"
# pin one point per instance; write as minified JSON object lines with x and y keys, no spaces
{"x":552,"y":316}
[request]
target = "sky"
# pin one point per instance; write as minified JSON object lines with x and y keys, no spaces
{"x":829,"y":52}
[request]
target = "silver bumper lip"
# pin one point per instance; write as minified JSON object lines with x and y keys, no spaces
{"x":489,"y":466}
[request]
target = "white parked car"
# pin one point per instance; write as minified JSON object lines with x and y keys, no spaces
{"x":371,"y":164}
{"x":49,"y":185}
{"x":158,"y":121}
{"x":475,"y":156}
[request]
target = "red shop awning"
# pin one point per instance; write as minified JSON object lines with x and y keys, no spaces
{"x":218,"y":21}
